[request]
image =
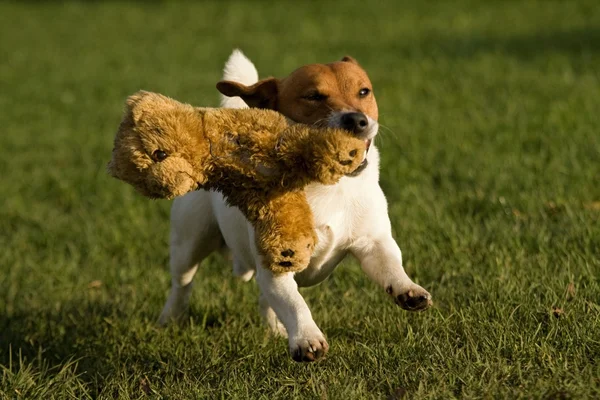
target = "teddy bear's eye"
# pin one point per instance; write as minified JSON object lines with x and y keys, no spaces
{"x":159,"y":155}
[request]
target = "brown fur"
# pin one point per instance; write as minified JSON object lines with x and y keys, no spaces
{"x":256,"y":158}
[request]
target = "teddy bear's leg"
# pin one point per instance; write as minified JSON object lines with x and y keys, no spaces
{"x":285,"y":234}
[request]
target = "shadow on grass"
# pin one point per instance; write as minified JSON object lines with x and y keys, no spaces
{"x":102,"y":339}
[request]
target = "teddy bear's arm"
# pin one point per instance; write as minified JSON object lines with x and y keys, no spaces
{"x":319,"y":154}
{"x":272,"y":153}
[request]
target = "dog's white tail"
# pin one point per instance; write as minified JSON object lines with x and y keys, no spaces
{"x":238,"y":68}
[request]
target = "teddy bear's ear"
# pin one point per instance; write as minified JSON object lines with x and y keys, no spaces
{"x":136,"y":102}
{"x":350,"y":60}
{"x":136,"y":98}
{"x":263,"y":94}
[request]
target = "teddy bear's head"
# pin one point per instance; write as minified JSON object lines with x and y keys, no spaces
{"x":158,"y":148}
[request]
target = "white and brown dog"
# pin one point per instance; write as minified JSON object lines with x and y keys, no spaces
{"x":350,"y":217}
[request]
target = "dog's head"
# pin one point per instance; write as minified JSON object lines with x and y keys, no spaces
{"x":338,"y":95}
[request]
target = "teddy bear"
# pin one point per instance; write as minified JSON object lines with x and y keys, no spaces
{"x":258,"y":159}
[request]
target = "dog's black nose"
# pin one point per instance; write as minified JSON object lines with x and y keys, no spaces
{"x":355,"y":122}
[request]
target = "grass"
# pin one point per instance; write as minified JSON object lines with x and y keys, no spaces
{"x":491,"y":166}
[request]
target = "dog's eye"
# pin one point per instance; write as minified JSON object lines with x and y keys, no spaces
{"x":315,"y":96}
{"x":159,"y":155}
{"x":364,"y":92}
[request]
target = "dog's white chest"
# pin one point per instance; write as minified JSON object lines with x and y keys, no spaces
{"x":338,"y":213}
{"x":330,"y":208}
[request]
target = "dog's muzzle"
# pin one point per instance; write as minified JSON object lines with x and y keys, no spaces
{"x":359,"y":125}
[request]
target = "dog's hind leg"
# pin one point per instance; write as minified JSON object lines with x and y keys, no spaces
{"x":194,"y":235}
{"x":242,"y":270}
{"x":269,"y":316}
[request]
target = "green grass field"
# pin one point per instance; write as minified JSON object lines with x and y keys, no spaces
{"x":491,"y":165}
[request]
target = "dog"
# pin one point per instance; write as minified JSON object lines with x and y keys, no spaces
{"x":350,"y":216}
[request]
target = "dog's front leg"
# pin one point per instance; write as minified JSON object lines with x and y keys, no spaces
{"x":306,"y":341}
{"x":381,"y":260}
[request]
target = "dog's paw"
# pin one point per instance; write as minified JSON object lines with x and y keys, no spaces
{"x":176,"y":308}
{"x":307,"y":349}
{"x":414,"y":299}
{"x":277,"y":328}
{"x":168,"y":317}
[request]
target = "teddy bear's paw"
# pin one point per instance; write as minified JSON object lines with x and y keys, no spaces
{"x":292,"y":259}
{"x":287,"y":258}
{"x":348,"y":157}
{"x":291,"y":252}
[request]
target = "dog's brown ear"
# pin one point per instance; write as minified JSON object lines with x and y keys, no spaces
{"x":350,"y":60}
{"x":263,"y":94}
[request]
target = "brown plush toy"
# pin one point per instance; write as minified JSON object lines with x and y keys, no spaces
{"x":256,"y":158}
